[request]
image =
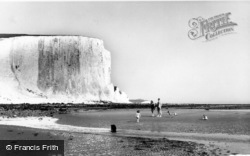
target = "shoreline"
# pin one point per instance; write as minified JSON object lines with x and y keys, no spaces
{"x":50,"y":123}
{"x":236,"y":143}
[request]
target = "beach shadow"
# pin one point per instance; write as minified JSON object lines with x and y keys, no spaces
{"x":203,"y":120}
{"x":149,"y":116}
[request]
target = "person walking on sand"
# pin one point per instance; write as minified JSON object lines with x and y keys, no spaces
{"x":138,"y":116}
{"x":159,"y":104}
{"x":152,"y":105}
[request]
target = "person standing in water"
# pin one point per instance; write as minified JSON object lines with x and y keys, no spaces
{"x":152,"y":105}
{"x":138,"y":116}
{"x":159,"y":104}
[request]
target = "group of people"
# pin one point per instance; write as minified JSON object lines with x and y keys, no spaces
{"x":154,"y":106}
{"x":158,"y":106}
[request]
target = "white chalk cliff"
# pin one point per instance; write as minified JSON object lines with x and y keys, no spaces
{"x":56,"y":69}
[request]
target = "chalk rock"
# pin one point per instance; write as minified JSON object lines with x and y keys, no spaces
{"x":39,"y":69}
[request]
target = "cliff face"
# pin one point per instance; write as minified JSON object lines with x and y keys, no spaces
{"x":38,"y":69}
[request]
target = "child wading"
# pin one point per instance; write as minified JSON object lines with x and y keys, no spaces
{"x":152,"y":105}
{"x":138,"y":116}
{"x":159,"y":108}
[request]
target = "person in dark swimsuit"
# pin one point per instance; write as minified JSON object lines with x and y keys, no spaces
{"x":152,"y":105}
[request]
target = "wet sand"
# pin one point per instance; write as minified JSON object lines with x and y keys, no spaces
{"x":229,"y":130}
{"x":187,"y":120}
{"x":187,"y":133}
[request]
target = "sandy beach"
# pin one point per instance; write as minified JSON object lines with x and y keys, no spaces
{"x":184,"y":134}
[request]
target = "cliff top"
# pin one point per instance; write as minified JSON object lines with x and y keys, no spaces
{"x":17,"y":35}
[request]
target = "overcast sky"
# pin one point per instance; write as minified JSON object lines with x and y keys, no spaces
{"x":152,"y":55}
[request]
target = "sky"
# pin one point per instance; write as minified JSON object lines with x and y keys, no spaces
{"x":152,"y":55}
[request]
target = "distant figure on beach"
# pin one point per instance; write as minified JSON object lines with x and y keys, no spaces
{"x":174,"y":113}
{"x":152,"y":105}
{"x":159,"y":108}
{"x":138,"y":116}
{"x":169,"y":113}
{"x":205,"y":117}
